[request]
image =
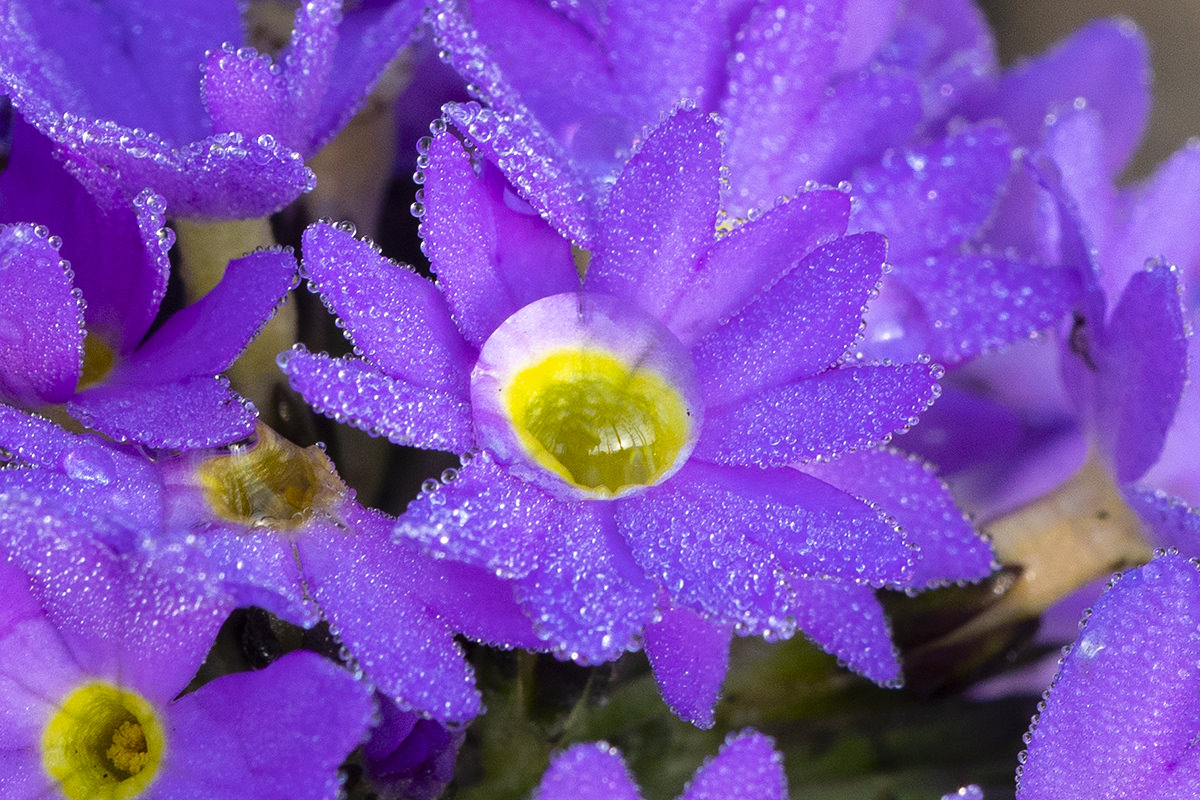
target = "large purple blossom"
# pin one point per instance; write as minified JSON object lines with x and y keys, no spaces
{"x":694,"y":517}
{"x":116,"y":87}
{"x":827,"y":92}
{"x":747,"y":765}
{"x":95,"y":649}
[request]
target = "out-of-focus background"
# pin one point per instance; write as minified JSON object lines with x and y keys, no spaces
{"x":1027,"y":27}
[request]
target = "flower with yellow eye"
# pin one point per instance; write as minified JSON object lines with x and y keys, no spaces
{"x":629,"y":436}
{"x":96,"y":653}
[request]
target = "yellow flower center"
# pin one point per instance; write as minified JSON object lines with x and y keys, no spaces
{"x":600,"y":424}
{"x":272,"y":483}
{"x":103,"y":744}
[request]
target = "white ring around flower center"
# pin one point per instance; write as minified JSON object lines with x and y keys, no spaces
{"x":587,"y":396}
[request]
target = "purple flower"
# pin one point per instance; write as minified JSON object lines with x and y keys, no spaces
{"x":272,"y":525}
{"x":1120,"y":720}
{"x":278,"y":529}
{"x":95,"y":650}
{"x":162,"y":390}
{"x":116,"y":88}
{"x":408,"y":757}
{"x":628,"y":440}
{"x":746,"y":766}
{"x":1083,"y":105}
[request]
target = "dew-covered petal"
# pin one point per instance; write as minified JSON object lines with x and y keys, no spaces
{"x":475,"y":602}
{"x":364,"y":586}
{"x":560,"y":70}
{"x":491,"y":252}
{"x":847,"y":621}
{"x":296,"y":101}
{"x":751,"y":257}
{"x":188,"y":414}
{"x":203,"y":339}
{"x":82,"y":472}
{"x":587,"y":772}
{"x":849,"y":129}
{"x":41,"y":320}
{"x":118,"y":255}
{"x":1171,"y":521}
{"x":968,"y":303}
{"x":224,"y":176}
{"x":352,"y":391}
{"x":93,"y":60}
{"x":484,"y":517}
{"x":661,"y":57}
{"x":534,"y":163}
{"x":829,"y":413}
{"x":660,"y":215}
{"x":724,"y":540}
{"x":779,"y":70}
{"x":138,"y":620}
{"x":397,"y":319}
{"x":1129,"y":376}
{"x":928,"y":198}
{"x":588,"y":599}
{"x":255,"y":567}
{"x":689,"y":656}
{"x":948,"y":45}
{"x":1156,"y":218}
{"x":949,"y":549}
{"x":278,"y":733}
{"x":747,"y":765}
{"x":798,"y":327}
{"x":25,"y":778}
{"x":1075,"y":141}
{"x":28,"y":694}
{"x":1120,"y":719}
{"x":1104,"y":65}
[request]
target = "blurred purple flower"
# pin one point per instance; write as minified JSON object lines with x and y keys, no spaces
{"x":116,"y":88}
{"x":112,"y":643}
{"x":747,"y":765}
{"x":1120,"y":720}
{"x":1082,"y":107}
{"x":806,"y":93}
{"x":647,"y":418}
{"x":408,"y":757}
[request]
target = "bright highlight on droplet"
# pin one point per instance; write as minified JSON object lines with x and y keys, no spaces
{"x":599,"y":423}
{"x":274,"y":483}
{"x":587,"y":396}
{"x":104,"y":743}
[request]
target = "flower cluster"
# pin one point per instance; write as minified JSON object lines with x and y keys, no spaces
{"x":796,"y":322}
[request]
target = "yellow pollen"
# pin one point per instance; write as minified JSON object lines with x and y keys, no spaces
{"x":598,"y":423}
{"x":274,"y":483}
{"x":104,"y":743}
{"x":128,"y":751}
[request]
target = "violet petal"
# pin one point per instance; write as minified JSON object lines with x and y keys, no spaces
{"x":354,"y":392}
